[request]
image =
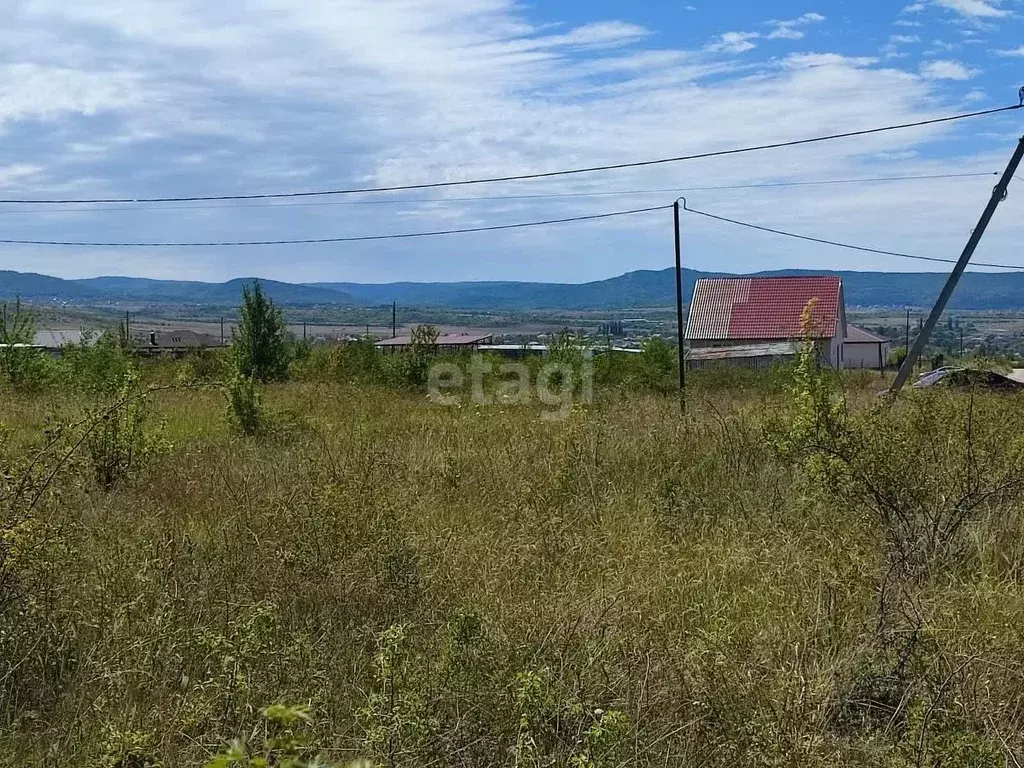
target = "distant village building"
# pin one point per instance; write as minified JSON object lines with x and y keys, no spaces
{"x":756,"y":321}
{"x":54,"y":342}
{"x":863,"y":349}
{"x":447,"y":341}
{"x":174,"y":343}
{"x":58,"y":339}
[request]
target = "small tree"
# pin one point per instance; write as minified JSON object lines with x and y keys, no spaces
{"x":260,"y":350}
{"x":422,"y":347}
{"x":424,"y":339}
{"x":18,"y":328}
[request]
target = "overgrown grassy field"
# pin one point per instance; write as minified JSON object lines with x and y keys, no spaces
{"x":790,"y":574}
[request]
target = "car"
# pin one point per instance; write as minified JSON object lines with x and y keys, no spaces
{"x":931,"y":378}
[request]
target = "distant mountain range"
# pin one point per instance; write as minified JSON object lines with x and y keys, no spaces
{"x":633,"y":290}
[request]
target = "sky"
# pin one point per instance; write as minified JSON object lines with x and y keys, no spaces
{"x":157,"y":98}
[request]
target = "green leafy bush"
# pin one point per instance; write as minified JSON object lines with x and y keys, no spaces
{"x":95,"y":368}
{"x":245,"y":410}
{"x":117,"y":441}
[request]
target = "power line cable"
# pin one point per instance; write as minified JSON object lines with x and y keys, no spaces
{"x":838,"y":244}
{"x":357,"y":239}
{"x":528,"y":176}
{"x":552,"y":195}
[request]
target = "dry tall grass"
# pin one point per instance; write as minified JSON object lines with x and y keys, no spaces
{"x":477,"y":586}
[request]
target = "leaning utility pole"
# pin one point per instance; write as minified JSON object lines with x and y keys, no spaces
{"x":998,"y":195}
{"x":679,"y":309}
{"x":906,"y":343}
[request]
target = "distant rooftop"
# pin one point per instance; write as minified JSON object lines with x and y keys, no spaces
{"x":58,"y":339}
{"x":175,"y":339}
{"x":855,"y":335}
{"x":444,"y":340}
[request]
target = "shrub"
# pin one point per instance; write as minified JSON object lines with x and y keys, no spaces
{"x":416,"y":360}
{"x":659,"y":364}
{"x":116,"y":440}
{"x":896,"y":357}
{"x":23,"y":367}
{"x":204,"y":365}
{"x":357,"y":362}
{"x":97,"y":368}
{"x":246,"y":413}
{"x":284,"y":743}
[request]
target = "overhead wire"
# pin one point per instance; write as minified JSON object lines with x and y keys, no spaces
{"x":353,"y":239}
{"x":838,"y":244}
{"x":547,"y":196}
{"x":524,"y":176}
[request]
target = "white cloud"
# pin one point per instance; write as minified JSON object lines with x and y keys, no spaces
{"x":809,"y":60}
{"x":972,"y":8}
{"x":1015,"y":52}
{"x":733,"y":42}
{"x":19,"y":173}
{"x":601,"y":34}
{"x":783,"y":32}
{"x":892,"y":48}
{"x":913,"y":8}
{"x":790,"y":29}
{"x":945,"y":69}
{"x":30,"y":90}
{"x":184,"y":96}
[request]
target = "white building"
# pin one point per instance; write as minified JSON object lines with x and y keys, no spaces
{"x":863,"y":349}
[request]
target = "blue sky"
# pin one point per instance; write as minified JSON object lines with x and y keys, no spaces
{"x":183,"y":97}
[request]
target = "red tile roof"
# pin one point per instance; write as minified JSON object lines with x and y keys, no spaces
{"x":763,"y":308}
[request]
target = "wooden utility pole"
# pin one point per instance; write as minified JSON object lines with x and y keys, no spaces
{"x":679,"y":309}
{"x":222,"y":331}
{"x":998,"y":195}
{"x":394,"y":319}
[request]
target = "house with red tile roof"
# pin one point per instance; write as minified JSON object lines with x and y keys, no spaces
{"x":757,"y":321}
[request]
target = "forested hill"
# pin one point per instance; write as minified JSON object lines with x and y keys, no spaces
{"x":978,"y":291}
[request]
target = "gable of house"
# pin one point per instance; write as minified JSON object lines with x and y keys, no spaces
{"x":857,"y":335}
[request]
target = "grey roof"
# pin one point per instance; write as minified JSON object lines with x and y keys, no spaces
{"x":855,"y":335}
{"x":773,"y":349}
{"x":175,"y":339}
{"x":58,"y":339}
{"x":444,"y":340}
